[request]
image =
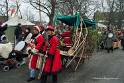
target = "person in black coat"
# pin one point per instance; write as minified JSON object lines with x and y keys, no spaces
{"x":3,"y":28}
{"x":18,"y":33}
{"x":2,"y":33}
{"x":122,"y":39}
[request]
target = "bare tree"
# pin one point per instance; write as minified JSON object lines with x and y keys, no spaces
{"x":70,"y":7}
{"x":29,"y":15}
{"x":120,"y":12}
{"x":4,"y":9}
{"x":7,"y":8}
{"x":67,"y":7}
{"x":116,"y":10}
{"x":111,"y":10}
{"x":18,"y":4}
{"x":45,"y":6}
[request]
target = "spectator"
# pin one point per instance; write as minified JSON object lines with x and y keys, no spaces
{"x":3,"y":38}
{"x":53,"y":61}
{"x":18,"y":33}
{"x":122,"y":39}
{"x":110,"y":37}
{"x":27,"y":35}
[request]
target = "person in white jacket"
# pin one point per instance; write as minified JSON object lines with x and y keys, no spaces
{"x":27,"y":39}
{"x":28,"y":35}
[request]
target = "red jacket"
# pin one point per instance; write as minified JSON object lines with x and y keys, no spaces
{"x":38,"y":41}
{"x":53,"y":61}
{"x":67,"y":38}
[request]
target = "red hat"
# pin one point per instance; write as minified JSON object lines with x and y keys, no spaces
{"x":50,"y":27}
{"x":37,"y":28}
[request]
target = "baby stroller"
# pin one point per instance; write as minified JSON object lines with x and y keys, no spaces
{"x":11,"y":58}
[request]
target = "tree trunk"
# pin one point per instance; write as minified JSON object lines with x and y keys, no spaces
{"x":51,"y":16}
{"x":7,"y":9}
{"x":51,"y":20}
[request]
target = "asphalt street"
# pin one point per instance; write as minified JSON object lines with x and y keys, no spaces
{"x":102,"y":67}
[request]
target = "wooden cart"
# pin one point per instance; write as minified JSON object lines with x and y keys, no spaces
{"x":76,"y":52}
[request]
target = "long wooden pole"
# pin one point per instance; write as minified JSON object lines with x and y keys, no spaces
{"x":77,"y":46}
{"x":82,"y":43}
{"x":81,"y":55}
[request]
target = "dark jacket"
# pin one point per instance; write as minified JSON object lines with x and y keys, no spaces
{"x":109,"y":41}
{"x":18,"y":32}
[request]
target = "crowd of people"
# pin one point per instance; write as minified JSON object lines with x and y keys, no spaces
{"x":112,"y":39}
{"x":42,"y":46}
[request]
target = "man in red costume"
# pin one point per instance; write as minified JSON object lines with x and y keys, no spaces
{"x":53,"y":61}
{"x":36,"y":44}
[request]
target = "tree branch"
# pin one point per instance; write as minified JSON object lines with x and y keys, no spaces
{"x":32,"y":3}
{"x":39,"y":9}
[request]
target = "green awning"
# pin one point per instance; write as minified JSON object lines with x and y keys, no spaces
{"x":75,"y":20}
{"x":69,"y":20}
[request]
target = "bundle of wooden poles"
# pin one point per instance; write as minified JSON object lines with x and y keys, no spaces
{"x":78,"y":48}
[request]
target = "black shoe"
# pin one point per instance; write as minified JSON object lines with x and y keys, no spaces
{"x":30,"y":79}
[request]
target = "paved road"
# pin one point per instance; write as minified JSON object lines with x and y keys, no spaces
{"x":101,"y":68}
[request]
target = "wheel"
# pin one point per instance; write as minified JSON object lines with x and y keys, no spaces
{"x":6,"y":68}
